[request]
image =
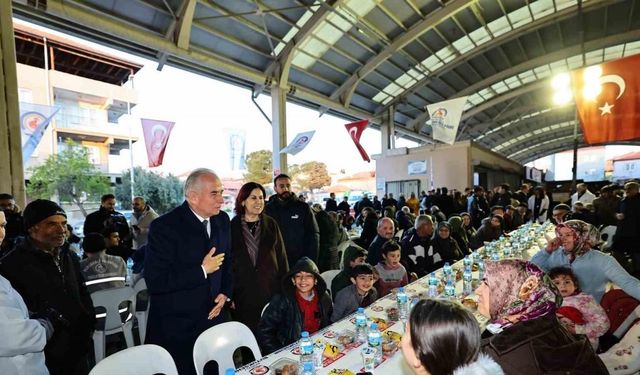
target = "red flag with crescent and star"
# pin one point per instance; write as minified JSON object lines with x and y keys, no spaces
{"x":156,"y":135}
{"x":614,"y":114}
{"x":355,"y":130}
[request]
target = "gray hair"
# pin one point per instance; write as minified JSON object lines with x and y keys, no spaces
{"x":383,"y":220}
{"x":193,"y":180}
{"x":422,"y":219}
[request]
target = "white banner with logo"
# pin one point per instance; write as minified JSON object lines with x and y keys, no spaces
{"x":445,"y":118}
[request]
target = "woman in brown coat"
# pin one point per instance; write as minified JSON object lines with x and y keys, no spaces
{"x":525,"y":337}
{"x":259,"y":257}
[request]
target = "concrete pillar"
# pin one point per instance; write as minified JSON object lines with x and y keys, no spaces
{"x":388,"y":131}
{"x":279,"y":128}
{"x":11,"y":167}
{"x":392,"y":127}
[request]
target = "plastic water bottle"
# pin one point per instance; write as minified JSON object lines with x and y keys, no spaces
{"x":307,"y":369}
{"x":375,"y":341}
{"x":433,"y":286}
{"x":450,"y":290}
{"x":467,"y":262}
{"x":361,"y":326}
{"x":403,"y":304}
{"x":318,"y":349}
{"x":467,"y":287}
{"x":129,"y":264}
{"x":446,"y":269}
{"x":480,"y":269}
{"x":306,"y":350}
{"x":230,"y":371}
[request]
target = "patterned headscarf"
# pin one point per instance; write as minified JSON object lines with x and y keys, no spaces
{"x":586,"y":236}
{"x":519,"y":291}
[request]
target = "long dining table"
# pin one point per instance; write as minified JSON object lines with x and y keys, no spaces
{"x":349,"y":358}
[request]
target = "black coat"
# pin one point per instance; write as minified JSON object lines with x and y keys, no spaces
{"x":34,"y":274}
{"x":331,"y":205}
{"x":254,"y":286}
{"x":542,"y":346}
{"x":422,"y":265}
{"x":282,"y":321}
{"x":344,"y":206}
{"x":328,"y":249}
{"x":298,"y":227}
{"x":180,"y":295}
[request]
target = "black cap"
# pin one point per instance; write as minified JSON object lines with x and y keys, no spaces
{"x":39,"y":210}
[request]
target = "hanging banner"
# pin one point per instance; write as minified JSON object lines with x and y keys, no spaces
{"x":299,"y":143}
{"x":355,"y":130}
{"x":156,"y":135}
{"x":611,"y":110}
{"x":445,"y":118}
{"x":34,"y":119}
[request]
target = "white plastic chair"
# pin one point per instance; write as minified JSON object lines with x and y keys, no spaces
{"x":220,"y":342}
{"x":606,"y":235}
{"x":328,"y":277}
{"x":110,"y":300}
{"x":342,"y":247}
{"x":141,"y":316}
{"x":139,"y":360}
{"x":264,"y":308}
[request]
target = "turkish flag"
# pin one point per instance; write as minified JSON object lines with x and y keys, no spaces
{"x":355,"y":130}
{"x":614,"y":115}
{"x":156,"y":135}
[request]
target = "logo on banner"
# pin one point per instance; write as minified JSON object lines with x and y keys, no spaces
{"x":445,"y":118}
{"x":156,"y":135}
{"x":298,"y":144}
{"x":31,"y":121}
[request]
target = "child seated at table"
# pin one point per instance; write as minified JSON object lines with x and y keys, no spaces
{"x":391,"y":273}
{"x":579,"y":313}
{"x":442,"y":337}
{"x":353,"y":255}
{"x":303,"y":305}
{"x":360,"y":293}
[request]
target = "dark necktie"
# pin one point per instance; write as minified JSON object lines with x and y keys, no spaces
{"x":205,"y":224}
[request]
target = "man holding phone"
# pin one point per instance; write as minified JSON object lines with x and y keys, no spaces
{"x":187,"y":268}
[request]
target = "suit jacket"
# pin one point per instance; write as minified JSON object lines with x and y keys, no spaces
{"x":254,"y":286}
{"x":180,"y":296}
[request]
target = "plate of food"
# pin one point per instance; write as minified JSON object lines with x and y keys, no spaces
{"x":382,"y":324}
{"x":285,"y":366}
{"x":260,"y":370}
{"x":377,"y":308}
{"x":470,"y":303}
{"x":389,"y":347}
{"x":392,"y":335}
{"x":331,"y":351}
{"x":346,"y":338}
{"x":340,"y":371}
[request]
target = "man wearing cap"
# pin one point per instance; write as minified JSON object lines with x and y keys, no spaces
{"x":47,"y":276}
{"x":101,"y":270}
{"x":606,"y":205}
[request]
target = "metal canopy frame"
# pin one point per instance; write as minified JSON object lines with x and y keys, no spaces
{"x":369,"y":58}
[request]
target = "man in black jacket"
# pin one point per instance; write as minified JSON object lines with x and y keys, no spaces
{"x":331,"y":205}
{"x":108,"y":217}
{"x":299,"y":228}
{"x":47,"y":276}
{"x":15,"y":226}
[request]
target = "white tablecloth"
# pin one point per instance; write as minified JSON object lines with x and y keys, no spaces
{"x":352,"y":359}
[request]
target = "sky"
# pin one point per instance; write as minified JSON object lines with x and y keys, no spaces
{"x":206,"y":111}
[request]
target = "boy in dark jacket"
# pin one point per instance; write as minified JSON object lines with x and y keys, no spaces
{"x":353,"y":255}
{"x":304,"y":305}
{"x":360,"y":294}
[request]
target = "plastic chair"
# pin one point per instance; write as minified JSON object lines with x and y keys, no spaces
{"x":141,"y":316}
{"x":139,"y":360}
{"x":606,"y":236}
{"x":264,"y":308}
{"x":328,"y":277}
{"x":342,"y":247}
{"x":110,"y":300}
{"x":220,"y":342}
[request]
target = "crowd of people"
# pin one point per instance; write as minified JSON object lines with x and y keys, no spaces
{"x":263,"y":268}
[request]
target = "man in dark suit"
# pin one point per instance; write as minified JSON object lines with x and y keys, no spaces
{"x":188,"y":276}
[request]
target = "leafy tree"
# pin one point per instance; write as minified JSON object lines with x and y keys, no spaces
{"x":163,"y":193}
{"x":312,"y":175}
{"x":259,"y":167}
{"x":69,"y":175}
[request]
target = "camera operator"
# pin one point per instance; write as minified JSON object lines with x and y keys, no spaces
{"x":108,"y":217}
{"x":48,"y":278}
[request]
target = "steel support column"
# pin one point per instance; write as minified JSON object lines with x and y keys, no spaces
{"x":279,"y":128}
{"x":11,"y":167}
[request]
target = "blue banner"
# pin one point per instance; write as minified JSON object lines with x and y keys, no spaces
{"x":34,"y":119}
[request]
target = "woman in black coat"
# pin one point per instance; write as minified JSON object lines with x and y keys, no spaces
{"x":259,"y":257}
